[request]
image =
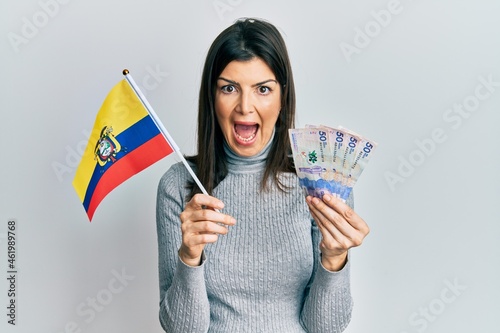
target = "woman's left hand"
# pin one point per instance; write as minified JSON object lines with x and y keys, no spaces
{"x":341,"y":228}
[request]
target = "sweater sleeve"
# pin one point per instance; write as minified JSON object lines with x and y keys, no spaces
{"x":328,"y":302}
{"x":184,"y":306}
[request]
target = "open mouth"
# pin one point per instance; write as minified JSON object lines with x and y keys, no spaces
{"x":245,"y":133}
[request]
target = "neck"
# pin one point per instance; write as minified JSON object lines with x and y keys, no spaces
{"x":239,"y":163}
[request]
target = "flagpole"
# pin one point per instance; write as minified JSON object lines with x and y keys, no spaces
{"x":162,"y":128}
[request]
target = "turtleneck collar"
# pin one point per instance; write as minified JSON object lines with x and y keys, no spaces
{"x":242,"y":164}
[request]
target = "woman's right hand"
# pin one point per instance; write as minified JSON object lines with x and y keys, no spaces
{"x":201,"y":224}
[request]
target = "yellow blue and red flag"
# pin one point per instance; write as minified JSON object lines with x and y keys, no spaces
{"x":124,"y":141}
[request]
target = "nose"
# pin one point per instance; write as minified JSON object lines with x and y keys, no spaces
{"x":245,"y":103}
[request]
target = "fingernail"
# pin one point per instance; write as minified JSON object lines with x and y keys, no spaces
{"x":326,"y":197}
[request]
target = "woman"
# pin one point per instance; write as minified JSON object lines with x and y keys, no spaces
{"x":254,"y":255}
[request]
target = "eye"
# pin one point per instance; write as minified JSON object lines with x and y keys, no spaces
{"x":228,"y":89}
{"x":264,"y":90}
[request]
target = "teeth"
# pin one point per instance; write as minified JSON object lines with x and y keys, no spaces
{"x":245,"y":139}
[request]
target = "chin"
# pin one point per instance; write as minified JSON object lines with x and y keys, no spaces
{"x":245,"y":151}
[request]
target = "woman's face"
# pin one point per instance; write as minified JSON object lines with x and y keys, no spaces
{"x":247,"y":105}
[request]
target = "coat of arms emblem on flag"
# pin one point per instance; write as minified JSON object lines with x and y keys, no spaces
{"x":107,"y":146}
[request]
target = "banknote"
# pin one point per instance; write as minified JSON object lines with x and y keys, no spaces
{"x":355,"y":164}
{"x":312,"y":157}
{"x":338,"y":146}
{"x":329,"y":160}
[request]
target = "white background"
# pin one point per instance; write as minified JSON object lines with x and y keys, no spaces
{"x":431,"y":262}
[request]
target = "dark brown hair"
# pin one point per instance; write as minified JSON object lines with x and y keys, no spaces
{"x":244,"y":40}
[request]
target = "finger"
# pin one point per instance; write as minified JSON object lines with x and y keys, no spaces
{"x":207,"y":227}
{"x":200,"y":239}
{"x":329,"y":217}
{"x":200,"y":201}
{"x":220,"y":226}
{"x":338,"y":211}
{"x":209,"y":215}
{"x":196,"y":211}
{"x":345,"y":211}
{"x":341,"y":230}
{"x":329,"y":231}
{"x":333,"y":239}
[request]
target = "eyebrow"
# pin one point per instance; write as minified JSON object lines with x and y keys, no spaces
{"x":253,"y":85}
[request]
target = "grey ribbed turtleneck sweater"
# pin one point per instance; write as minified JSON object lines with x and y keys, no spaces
{"x":265,"y":275}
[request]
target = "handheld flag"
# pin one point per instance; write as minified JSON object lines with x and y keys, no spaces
{"x":127,"y":137}
{"x":124,"y":141}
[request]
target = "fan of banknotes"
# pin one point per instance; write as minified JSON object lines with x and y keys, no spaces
{"x":329,"y":160}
